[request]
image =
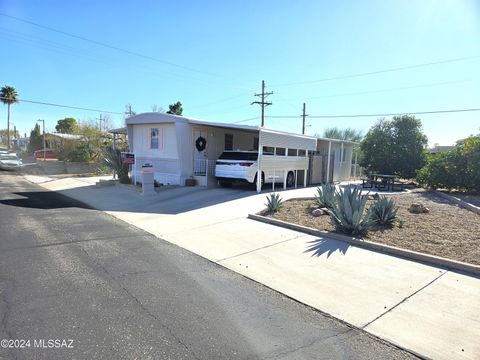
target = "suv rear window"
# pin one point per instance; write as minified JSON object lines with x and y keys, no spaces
{"x":239,"y":155}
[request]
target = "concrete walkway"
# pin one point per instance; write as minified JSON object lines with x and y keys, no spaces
{"x":430,"y":311}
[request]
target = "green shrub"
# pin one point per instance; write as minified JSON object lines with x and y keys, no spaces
{"x":383,"y":211}
{"x":79,"y":154}
{"x":458,"y":168}
{"x":325,"y":197}
{"x":274,"y":202}
{"x":348,"y":213}
{"x":113,"y":159}
{"x":394,"y":147}
{"x":103,"y":169}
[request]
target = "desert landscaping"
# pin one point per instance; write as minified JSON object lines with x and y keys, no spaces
{"x":446,"y":230}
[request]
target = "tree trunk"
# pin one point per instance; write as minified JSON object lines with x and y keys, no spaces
{"x":8,"y":128}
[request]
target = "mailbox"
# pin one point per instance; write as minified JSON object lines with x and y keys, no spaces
{"x":148,"y":181}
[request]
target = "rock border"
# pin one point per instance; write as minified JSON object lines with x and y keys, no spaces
{"x":458,"y":201}
{"x":369,"y":245}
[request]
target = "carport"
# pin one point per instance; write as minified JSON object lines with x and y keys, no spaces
{"x":283,"y":152}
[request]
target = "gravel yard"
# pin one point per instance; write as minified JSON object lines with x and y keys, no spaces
{"x":447,"y":230}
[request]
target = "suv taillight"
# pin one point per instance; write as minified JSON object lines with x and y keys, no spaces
{"x":245,"y":164}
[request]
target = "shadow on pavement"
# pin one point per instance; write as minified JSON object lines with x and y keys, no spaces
{"x":318,"y":247}
{"x":44,"y":200}
{"x":169,"y":201}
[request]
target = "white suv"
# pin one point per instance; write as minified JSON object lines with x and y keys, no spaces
{"x":242,"y":166}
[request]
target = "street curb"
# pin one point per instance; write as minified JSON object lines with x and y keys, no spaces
{"x":459,"y":201}
{"x":437,"y":261}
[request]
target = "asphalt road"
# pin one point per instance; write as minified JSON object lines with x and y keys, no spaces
{"x":68,"y":272}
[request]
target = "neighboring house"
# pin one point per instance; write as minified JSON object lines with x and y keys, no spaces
{"x":170,"y":144}
{"x":58,"y":139}
{"x":119,"y":138}
{"x":21,"y":143}
{"x":440,"y":148}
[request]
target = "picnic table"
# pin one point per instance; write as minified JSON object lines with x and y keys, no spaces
{"x":381,"y":182}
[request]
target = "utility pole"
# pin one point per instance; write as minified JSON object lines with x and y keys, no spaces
{"x":44,"y":142}
{"x":100,"y":122}
{"x":15,"y":137}
{"x":130,"y":110}
{"x":304,"y":115}
{"x":263,"y":103}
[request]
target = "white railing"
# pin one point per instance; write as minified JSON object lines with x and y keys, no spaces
{"x":200,"y":167}
{"x":203,"y":167}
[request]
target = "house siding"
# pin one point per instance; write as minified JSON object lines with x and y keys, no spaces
{"x":165,"y":160}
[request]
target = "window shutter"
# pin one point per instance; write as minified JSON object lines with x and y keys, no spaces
{"x":149,"y":138}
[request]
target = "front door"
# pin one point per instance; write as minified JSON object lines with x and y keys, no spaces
{"x":199,"y":152}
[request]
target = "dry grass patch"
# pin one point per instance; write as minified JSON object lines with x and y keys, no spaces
{"x":447,"y":230}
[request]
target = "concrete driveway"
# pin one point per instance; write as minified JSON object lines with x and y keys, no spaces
{"x":428,"y":310}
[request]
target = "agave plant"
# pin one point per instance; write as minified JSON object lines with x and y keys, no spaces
{"x":383,"y":211}
{"x":113,"y":159}
{"x":325,"y":196}
{"x":274,"y":202}
{"x":348,"y":213}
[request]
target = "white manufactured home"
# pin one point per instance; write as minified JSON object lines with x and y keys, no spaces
{"x":180,"y":148}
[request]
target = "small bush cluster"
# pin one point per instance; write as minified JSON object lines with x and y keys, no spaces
{"x":79,"y":154}
{"x":348,"y":212}
{"x":274,"y":202}
{"x":325,"y":196}
{"x":112,"y":158}
{"x":383,"y":211}
{"x":458,"y":168}
{"x":347,"y":208}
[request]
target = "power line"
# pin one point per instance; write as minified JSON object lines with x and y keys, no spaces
{"x":375,"y":115}
{"x":242,"y":121}
{"x":112,"y":47}
{"x":66,"y":106}
{"x":99,"y":111}
{"x":389,"y":89}
{"x":71,"y":51}
{"x":401,"y":68}
{"x":219,"y":101}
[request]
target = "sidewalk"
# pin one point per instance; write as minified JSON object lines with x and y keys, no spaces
{"x":427,"y":310}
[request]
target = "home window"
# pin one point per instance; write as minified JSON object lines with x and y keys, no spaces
{"x":292,"y":152}
{"x":302,"y":153}
{"x":154,"y":132}
{"x":255,"y":143}
{"x":280,"y":151}
{"x":228,"y":142}
{"x":267,"y":150}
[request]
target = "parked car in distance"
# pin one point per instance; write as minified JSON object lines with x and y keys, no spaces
{"x":49,"y":154}
{"x":10,"y":161}
{"x":242,"y":166}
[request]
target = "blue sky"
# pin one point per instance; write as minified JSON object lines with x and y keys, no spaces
{"x":213,"y":55}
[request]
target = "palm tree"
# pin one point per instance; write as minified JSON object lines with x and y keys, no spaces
{"x":343,"y":134}
{"x":9,"y":96}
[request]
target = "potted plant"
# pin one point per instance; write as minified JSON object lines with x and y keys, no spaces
{"x":190,"y":181}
